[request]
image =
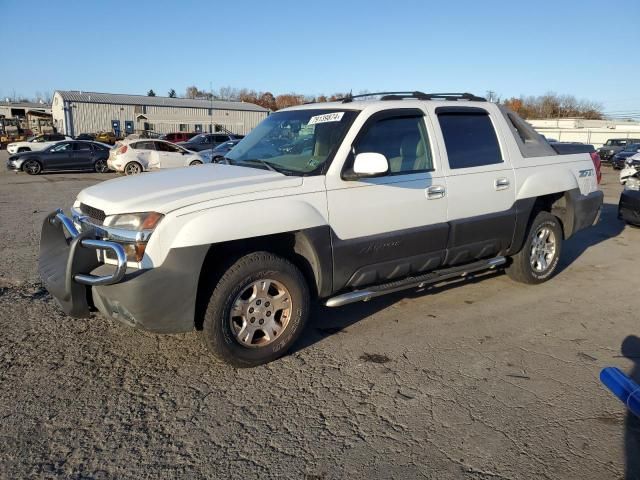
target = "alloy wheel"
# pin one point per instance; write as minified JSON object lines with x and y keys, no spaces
{"x":260,"y":313}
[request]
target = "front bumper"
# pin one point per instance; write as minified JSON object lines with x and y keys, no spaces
{"x":161,"y":299}
{"x":11,"y":165}
{"x":629,"y":206}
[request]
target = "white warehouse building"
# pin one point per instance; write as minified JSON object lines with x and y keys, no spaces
{"x":594,"y":132}
{"x":76,"y":112}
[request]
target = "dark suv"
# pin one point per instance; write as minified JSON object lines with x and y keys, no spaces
{"x":613,"y":146}
{"x":206,"y":141}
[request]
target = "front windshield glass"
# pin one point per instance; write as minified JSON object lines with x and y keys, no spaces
{"x":198,"y":139}
{"x":616,"y":143}
{"x":38,"y":139}
{"x":295,"y":142}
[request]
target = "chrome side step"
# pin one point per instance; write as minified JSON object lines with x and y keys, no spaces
{"x":414,"y":282}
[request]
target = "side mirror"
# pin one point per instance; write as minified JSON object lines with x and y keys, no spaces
{"x":369,"y":165}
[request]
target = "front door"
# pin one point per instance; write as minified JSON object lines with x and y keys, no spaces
{"x":480,"y":184}
{"x":392,"y":226}
{"x":58,"y":157}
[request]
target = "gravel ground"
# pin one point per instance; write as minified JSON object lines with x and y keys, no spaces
{"x":486,"y":380}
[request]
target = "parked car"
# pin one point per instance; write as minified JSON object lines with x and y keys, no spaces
{"x":86,"y":136}
{"x":613,"y":146}
{"x":179,"y":136}
{"x":205,"y":141}
{"x":141,"y":155}
{"x":619,"y":159}
{"x":394,"y":195}
{"x":106,"y":137}
{"x":629,"y":204}
{"x":65,"y":155}
{"x":217,"y":154}
{"x":39,"y":142}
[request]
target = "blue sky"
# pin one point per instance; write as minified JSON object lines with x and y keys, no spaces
{"x":585,"y":48}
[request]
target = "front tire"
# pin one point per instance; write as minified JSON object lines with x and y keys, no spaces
{"x":195,"y":162}
{"x":132,"y":168}
{"x":538,"y":260}
{"x":256,"y":311}
{"x":32,"y":167}
{"x":23,"y":149}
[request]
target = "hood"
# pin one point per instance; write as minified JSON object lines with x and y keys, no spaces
{"x":168,"y":190}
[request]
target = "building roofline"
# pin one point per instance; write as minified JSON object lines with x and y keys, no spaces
{"x":82,"y":96}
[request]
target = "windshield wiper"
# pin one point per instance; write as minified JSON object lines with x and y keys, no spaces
{"x":267,"y":165}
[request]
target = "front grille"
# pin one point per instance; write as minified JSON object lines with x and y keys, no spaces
{"x":93,"y":213}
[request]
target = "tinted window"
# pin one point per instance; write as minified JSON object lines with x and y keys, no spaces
{"x":470,"y":139}
{"x":81,"y":146}
{"x":144,"y":146}
{"x":57,"y":137}
{"x":166,"y":147}
{"x":402,"y":140}
{"x":221,"y":138}
{"x":61,"y":147}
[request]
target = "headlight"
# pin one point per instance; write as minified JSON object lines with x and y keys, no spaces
{"x":633,"y":183}
{"x":132,"y":230}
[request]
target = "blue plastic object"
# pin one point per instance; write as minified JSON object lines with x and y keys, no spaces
{"x":622,"y":387}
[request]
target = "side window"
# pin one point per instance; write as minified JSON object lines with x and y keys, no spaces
{"x":166,"y":147}
{"x":61,"y":147}
{"x":144,"y":146}
{"x":403,"y":140}
{"x":82,"y":146}
{"x":221,"y":138}
{"x":470,"y":140}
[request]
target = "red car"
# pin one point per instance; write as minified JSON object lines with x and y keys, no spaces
{"x":178,"y":136}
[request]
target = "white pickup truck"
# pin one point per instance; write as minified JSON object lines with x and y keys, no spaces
{"x":368,"y":197}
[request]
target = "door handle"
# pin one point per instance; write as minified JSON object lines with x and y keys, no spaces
{"x":502,"y":183}
{"x":435,"y":192}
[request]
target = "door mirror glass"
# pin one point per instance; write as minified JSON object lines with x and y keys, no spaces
{"x":370,"y":164}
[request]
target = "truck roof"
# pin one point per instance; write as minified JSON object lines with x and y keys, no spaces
{"x":391,"y":98}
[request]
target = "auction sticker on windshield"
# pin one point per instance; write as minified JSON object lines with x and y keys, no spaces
{"x":327,"y":117}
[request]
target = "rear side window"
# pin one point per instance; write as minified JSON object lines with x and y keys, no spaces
{"x":144,"y":146}
{"x":81,"y":146}
{"x":470,"y":140}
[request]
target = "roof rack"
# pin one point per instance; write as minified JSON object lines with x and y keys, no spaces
{"x":415,"y":94}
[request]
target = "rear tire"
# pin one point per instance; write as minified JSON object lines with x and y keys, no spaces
{"x":132,"y":168}
{"x":101,"y":166}
{"x":256,"y":311}
{"x":195,"y":162}
{"x":538,"y":260}
{"x":32,"y":167}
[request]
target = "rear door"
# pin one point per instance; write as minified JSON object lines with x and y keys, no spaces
{"x":146,"y":154}
{"x":81,"y":156}
{"x":480,"y":184}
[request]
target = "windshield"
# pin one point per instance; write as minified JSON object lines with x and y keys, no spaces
{"x":198,"y":139}
{"x":315,"y":133}
{"x":616,"y":143}
{"x":223,"y":147}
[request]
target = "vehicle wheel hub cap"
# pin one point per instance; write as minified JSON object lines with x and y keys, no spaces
{"x":260,"y":313}
{"x":543,"y":249}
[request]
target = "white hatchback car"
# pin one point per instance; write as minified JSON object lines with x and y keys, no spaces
{"x":133,"y":156}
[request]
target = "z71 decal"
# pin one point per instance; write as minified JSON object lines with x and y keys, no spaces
{"x":586,"y":173}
